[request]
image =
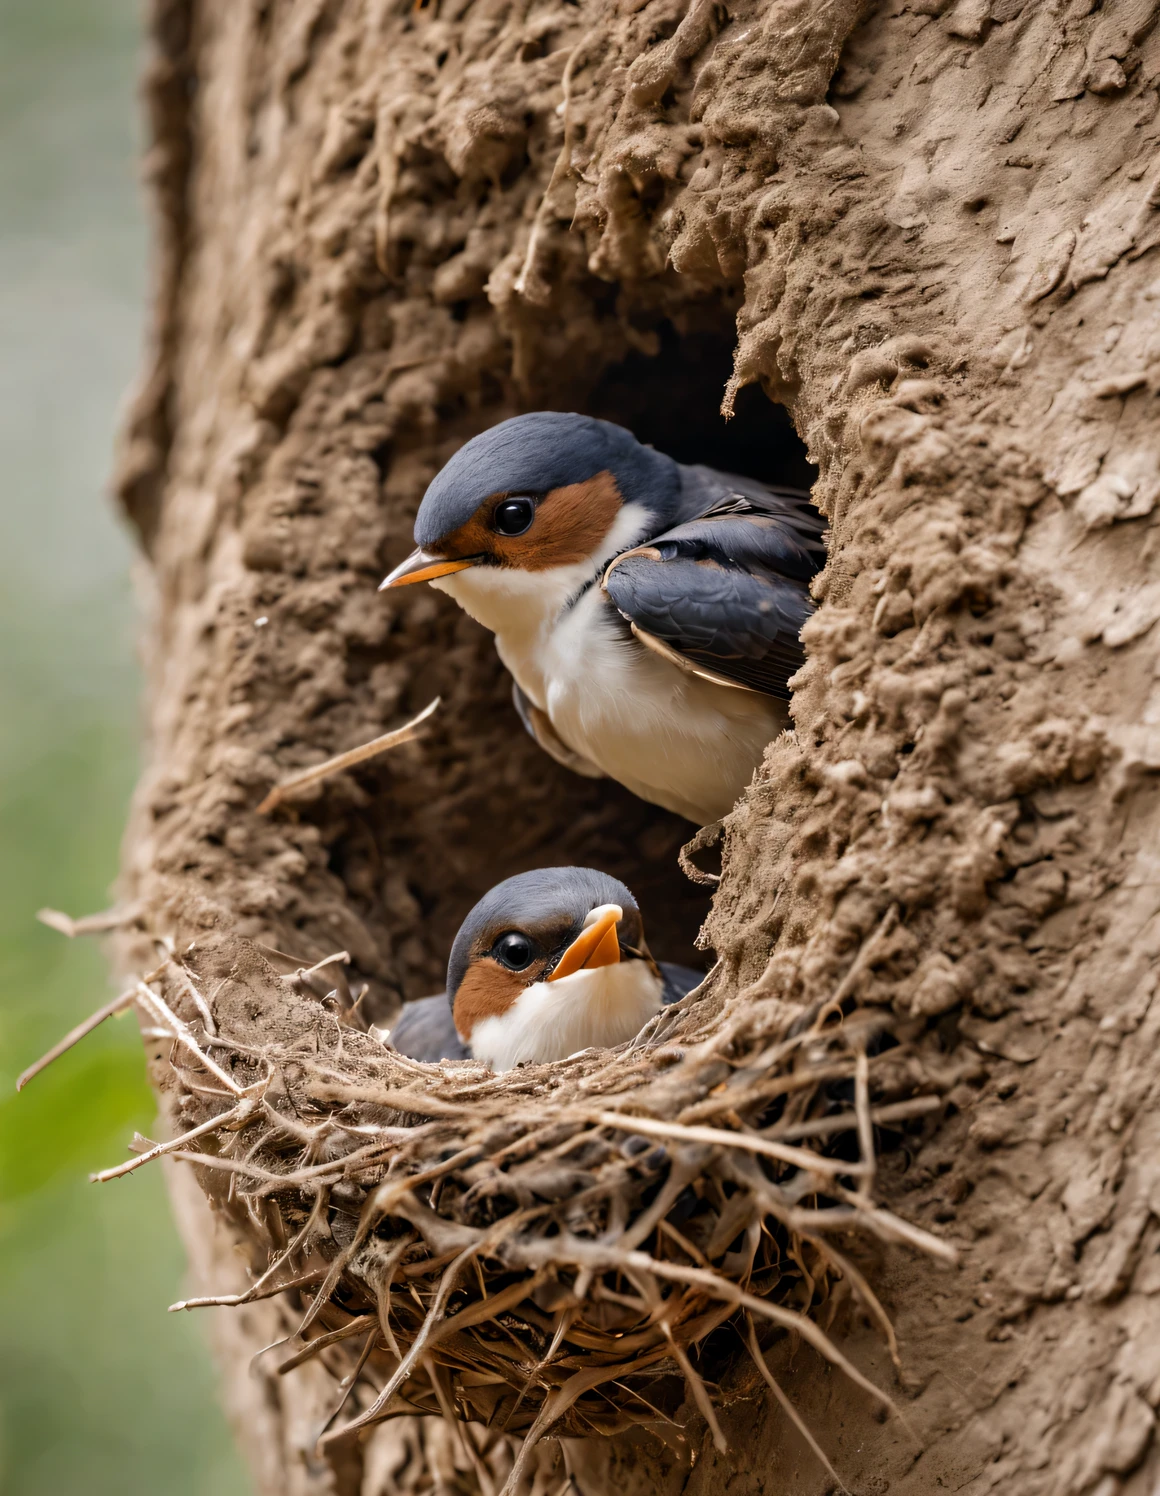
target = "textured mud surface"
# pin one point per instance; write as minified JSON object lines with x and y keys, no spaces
{"x":931,"y":231}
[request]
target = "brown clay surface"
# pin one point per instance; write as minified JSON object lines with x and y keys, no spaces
{"x":936,"y":226}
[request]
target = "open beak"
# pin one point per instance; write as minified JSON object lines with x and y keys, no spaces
{"x":421,"y":567}
{"x":596,"y":945}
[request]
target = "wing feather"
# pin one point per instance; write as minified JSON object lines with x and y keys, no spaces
{"x":727,"y":593}
{"x":679,"y":981}
{"x":425,"y":1030}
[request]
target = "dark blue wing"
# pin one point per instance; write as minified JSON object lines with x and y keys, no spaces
{"x":679,"y":981}
{"x":727,"y":593}
{"x":426,"y":1031}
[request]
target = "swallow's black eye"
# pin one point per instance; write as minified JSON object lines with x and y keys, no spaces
{"x":513,"y":950}
{"x":513,"y":516}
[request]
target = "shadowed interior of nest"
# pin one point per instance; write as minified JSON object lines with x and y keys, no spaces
{"x":569,"y":1248}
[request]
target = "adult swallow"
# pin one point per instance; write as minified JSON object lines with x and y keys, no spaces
{"x":650,"y":612}
{"x":546,"y":964}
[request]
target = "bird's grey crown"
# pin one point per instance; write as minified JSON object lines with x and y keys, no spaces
{"x":555,"y":899}
{"x":536,"y":453}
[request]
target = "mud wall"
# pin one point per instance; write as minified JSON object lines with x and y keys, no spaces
{"x":931,"y":230}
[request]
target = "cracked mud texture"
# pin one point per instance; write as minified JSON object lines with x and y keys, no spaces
{"x":931,"y":230}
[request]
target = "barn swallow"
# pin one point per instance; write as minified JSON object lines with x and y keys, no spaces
{"x":546,"y":964}
{"x":649,"y":612}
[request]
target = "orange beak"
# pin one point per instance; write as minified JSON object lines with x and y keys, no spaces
{"x":421,"y":567}
{"x":596,"y":945}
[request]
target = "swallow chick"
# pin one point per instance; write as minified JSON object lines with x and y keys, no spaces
{"x":649,"y":612}
{"x":547,"y":963}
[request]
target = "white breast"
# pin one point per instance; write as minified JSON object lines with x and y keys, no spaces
{"x":672,"y":738}
{"x":598,"y":1008}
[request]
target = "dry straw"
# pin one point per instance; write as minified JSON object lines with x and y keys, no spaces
{"x":564,"y":1249}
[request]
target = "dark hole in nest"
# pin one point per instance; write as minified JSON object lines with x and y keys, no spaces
{"x":673,"y":401}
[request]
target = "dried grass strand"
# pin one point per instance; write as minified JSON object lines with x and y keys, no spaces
{"x":791,"y":1412}
{"x":323,"y":1342}
{"x":383,"y":1293}
{"x":347,"y":1385}
{"x":446,"y":1407}
{"x":240,"y":1113}
{"x":88,"y":924}
{"x":200,"y":1002}
{"x":559,"y":170}
{"x":862,"y":1288}
{"x":347,"y":760}
{"x":183,"y":1036}
{"x":716,"y":1137}
{"x":75,"y":1035}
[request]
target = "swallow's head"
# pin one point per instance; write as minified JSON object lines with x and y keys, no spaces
{"x":549,"y":963}
{"x":536,"y":506}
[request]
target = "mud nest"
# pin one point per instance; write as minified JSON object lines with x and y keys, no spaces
{"x":567,"y":1249}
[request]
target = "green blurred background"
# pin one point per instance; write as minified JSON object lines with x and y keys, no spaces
{"x":101,"y":1391}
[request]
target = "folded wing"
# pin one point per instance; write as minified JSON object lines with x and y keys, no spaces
{"x":725,"y":595}
{"x":679,"y":981}
{"x":426,"y":1031}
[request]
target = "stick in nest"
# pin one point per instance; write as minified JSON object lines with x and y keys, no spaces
{"x":75,"y":1035}
{"x":88,"y":924}
{"x":795,"y":1417}
{"x":347,"y":760}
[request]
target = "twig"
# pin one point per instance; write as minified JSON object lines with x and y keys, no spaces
{"x":346,"y":1386}
{"x":717,"y":1137}
{"x":259,"y":1289}
{"x":251,"y":1295}
{"x":897,"y":1111}
{"x":183,"y":1036}
{"x":332,"y":1337}
{"x":74,"y":1036}
{"x":336,"y":1166}
{"x":346,"y":760}
{"x":232,"y":1166}
{"x":200,"y":1003}
{"x":88,"y":924}
{"x":244,"y":1110}
{"x":793,"y":1414}
{"x":895,"y":1228}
